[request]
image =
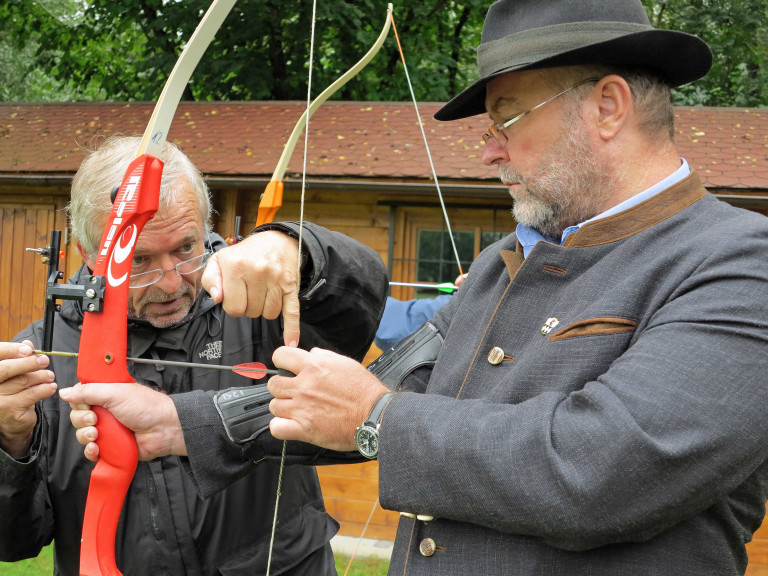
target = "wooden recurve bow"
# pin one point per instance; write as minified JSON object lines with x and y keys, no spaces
{"x":272,"y":198}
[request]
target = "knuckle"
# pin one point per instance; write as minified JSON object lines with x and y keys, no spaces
{"x":270,"y":268}
{"x":238,"y":267}
{"x":235,"y":302}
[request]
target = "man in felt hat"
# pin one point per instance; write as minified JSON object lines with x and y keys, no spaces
{"x":594,"y":400}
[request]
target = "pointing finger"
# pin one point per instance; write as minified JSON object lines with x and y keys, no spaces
{"x":291,"y":330}
{"x":212,"y":279}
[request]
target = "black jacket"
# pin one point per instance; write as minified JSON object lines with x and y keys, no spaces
{"x":167,"y":527}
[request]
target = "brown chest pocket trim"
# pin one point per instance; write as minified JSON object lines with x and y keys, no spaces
{"x":594,"y":327}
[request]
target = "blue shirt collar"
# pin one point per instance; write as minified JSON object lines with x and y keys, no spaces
{"x":528,"y":236}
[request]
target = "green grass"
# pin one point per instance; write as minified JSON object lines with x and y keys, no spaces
{"x":362,"y":566}
{"x":43,"y":566}
{"x":40,"y":566}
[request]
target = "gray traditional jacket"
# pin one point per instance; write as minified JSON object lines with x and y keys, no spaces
{"x":167,"y":527}
{"x":620,"y":426}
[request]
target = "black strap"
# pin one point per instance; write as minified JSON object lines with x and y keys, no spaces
{"x":244,"y":411}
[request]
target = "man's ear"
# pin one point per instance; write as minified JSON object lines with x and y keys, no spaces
{"x":87,"y":260}
{"x":614,"y":105}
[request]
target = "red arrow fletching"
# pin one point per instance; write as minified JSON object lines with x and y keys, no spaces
{"x":254,"y":370}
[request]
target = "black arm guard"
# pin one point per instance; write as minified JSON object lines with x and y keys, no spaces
{"x":245,"y":411}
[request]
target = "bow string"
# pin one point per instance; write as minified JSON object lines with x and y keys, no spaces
{"x":272,"y":198}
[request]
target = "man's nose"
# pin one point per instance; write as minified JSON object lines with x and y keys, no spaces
{"x":170,"y":282}
{"x":494,"y":153}
{"x":171,"y":279}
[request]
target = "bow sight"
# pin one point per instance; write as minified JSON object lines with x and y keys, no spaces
{"x":90,"y":293}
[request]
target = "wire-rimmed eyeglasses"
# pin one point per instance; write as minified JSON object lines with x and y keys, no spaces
{"x":496,"y":131}
{"x":186,"y":267}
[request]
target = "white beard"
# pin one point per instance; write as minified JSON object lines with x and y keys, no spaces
{"x":568,"y":187}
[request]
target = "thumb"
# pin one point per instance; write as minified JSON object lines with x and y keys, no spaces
{"x":284,"y":428}
{"x":212,"y":279}
{"x":90,"y":394}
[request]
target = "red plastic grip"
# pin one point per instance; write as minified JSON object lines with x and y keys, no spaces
{"x":103,"y":359}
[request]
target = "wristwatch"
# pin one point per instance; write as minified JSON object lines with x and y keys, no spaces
{"x":367,"y":434}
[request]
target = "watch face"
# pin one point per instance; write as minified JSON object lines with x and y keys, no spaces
{"x":367,"y":440}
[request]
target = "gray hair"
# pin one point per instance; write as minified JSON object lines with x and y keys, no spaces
{"x":651,"y":95}
{"x":104,"y":168}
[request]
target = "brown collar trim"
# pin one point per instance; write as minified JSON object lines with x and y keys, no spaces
{"x":513,"y":260}
{"x":641,"y":216}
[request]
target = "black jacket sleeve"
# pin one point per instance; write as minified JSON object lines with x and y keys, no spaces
{"x":343,"y":292}
{"x":26,"y":517}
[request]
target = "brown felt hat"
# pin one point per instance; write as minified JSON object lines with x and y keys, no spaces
{"x":527,"y":34}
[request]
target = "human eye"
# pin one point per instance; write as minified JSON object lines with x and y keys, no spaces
{"x":501,"y":124}
{"x":495,"y":121}
{"x":139,"y":263}
{"x":512,"y":119}
{"x":185,"y":251}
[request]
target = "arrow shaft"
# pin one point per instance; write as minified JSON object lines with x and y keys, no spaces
{"x":196,"y":365}
{"x":151,"y":361}
{"x":421,"y":285}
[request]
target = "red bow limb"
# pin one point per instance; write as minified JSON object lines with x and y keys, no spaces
{"x":103,"y":355}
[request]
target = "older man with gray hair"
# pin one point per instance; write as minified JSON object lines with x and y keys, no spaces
{"x":170,"y":524}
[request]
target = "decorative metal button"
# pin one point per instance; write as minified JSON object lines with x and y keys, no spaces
{"x":427,"y":547}
{"x":496,"y":356}
{"x":424,"y":517}
{"x":408,"y":515}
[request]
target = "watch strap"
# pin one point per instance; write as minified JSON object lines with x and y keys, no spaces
{"x":374,"y":417}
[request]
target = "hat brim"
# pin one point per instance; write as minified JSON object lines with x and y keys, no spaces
{"x":678,"y":57}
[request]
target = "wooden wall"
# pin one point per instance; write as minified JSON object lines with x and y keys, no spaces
{"x":356,"y":214}
{"x":27,"y":217}
{"x":758,"y":552}
{"x":351,"y":493}
{"x":29,"y":213}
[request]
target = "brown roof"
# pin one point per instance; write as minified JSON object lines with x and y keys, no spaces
{"x":357,"y":140}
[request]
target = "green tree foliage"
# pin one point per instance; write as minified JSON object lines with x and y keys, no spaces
{"x":737,"y":33}
{"x":23,"y":76}
{"x":125,"y":49}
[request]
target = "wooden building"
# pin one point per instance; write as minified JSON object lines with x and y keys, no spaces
{"x":368,"y":175}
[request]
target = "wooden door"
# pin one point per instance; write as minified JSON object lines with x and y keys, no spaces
{"x":23,"y":274}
